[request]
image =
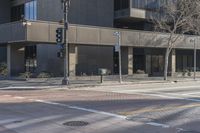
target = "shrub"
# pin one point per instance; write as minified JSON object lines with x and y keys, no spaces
{"x":3,"y":69}
{"x":44,"y":75}
{"x":140,"y":71}
{"x":186,"y":72}
{"x":25,"y":75}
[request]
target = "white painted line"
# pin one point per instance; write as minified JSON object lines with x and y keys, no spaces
{"x":171,"y":97}
{"x":82,"y":109}
{"x":158,"y":124}
{"x":193,"y":93}
{"x":19,"y":97}
{"x":27,"y":87}
{"x":156,"y":89}
{"x":7,"y":95}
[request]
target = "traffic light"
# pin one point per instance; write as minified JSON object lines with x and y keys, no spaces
{"x":59,"y":35}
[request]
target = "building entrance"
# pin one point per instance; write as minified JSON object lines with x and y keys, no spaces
{"x":30,"y":59}
{"x":157,"y":65}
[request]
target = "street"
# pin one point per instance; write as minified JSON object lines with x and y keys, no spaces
{"x":138,"y":108}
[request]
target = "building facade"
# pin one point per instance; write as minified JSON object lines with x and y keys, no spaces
{"x":28,"y":38}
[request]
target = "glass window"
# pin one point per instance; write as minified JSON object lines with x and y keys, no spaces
{"x":31,"y":10}
{"x":17,"y":12}
{"x":147,"y":4}
{"x":121,"y":4}
{"x":27,"y":11}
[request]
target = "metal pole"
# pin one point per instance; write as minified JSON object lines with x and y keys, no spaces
{"x":120,"y":60}
{"x":65,"y":80}
{"x":195,"y":60}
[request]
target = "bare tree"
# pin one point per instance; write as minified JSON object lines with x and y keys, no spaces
{"x":194,"y":23}
{"x":173,"y":18}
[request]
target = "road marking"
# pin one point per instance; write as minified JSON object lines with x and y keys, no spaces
{"x":7,"y":95}
{"x":193,"y":93}
{"x":17,"y":97}
{"x":160,"y":109}
{"x":171,"y":97}
{"x":83,"y":109}
{"x":158,"y":124}
{"x":156,"y":89}
{"x":28,"y":87}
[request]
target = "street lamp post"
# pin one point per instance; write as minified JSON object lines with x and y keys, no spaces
{"x":195,"y":58}
{"x":118,"y":45}
{"x":66,"y":4}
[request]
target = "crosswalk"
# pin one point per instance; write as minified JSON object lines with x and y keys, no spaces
{"x":185,"y":91}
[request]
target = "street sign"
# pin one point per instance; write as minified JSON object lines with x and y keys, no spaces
{"x":117,"y":47}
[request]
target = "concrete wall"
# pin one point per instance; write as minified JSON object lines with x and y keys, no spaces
{"x":47,"y":60}
{"x":90,"y":58}
{"x":86,"y":12}
{"x":4,"y":11}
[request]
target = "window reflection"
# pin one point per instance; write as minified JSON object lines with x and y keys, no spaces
{"x":31,"y":10}
{"x":27,"y":11}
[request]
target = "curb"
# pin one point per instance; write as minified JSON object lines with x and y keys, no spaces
{"x":72,"y":86}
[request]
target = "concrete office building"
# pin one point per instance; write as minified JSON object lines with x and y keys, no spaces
{"x":31,"y":45}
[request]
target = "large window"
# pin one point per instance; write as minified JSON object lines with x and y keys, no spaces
{"x":31,"y":10}
{"x":27,"y":11}
{"x":148,"y":4}
{"x":17,"y":12}
{"x":121,"y":4}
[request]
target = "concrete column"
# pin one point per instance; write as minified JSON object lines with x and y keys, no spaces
{"x":9,"y":59}
{"x":130,"y":60}
{"x":73,"y":59}
{"x":148,"y":64}
{"x":15,"y":59}
{"x":173,"y":62}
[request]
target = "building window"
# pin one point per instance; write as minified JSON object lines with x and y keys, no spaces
{"x":27,"y":11}
{"x":148,"y":4}
{"x":17,"y":12}
{"x":121,"y":4}
{"x":30,"y":58}
{"x":31,"y":10}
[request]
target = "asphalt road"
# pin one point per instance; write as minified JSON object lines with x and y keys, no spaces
{"x":149,"y":108}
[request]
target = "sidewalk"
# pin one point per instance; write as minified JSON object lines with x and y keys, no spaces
{"x":34,"y":84}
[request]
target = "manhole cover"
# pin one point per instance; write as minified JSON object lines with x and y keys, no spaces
{"x":76,"y":123}
{"x":17,"y":121}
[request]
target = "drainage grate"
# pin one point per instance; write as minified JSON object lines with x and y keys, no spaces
{"x":76,"y":123}
{"x":17,"y":121}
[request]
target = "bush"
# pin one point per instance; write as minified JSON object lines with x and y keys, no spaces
{"x":186,"y":72}
{"x":3,"y":69}
{"x":140,"y":71}
{"x":25,"y":75}
{"x":44,"y":75}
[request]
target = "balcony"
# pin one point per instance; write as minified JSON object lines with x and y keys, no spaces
{"x":44,"y":32}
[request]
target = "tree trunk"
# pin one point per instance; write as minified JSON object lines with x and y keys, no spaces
{"x":166,"y":63}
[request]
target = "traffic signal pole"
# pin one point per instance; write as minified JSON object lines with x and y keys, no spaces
{"x":65,"y":80}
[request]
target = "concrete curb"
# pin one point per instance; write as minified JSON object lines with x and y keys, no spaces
{"x":75,"y":86}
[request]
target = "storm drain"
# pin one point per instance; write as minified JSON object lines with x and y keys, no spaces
{"x":76,"y":123}
{"x":18,"y":121}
